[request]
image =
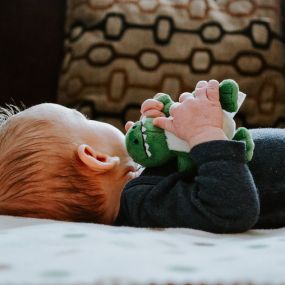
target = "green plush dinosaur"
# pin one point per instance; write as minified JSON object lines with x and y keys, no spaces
{"x":151,"y":146}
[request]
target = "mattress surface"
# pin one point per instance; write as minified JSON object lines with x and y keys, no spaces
{"x":34,"y":251}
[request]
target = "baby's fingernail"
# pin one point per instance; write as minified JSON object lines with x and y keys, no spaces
{"x":201,"y":84}
{"x":213,"y":84}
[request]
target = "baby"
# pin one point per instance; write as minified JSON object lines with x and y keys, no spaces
{"x":57,"y":164}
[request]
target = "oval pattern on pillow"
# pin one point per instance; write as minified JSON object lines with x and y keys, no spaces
{"x":119,"y":53}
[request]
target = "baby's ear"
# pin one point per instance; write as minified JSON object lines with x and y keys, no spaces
{"x":95,"y":160}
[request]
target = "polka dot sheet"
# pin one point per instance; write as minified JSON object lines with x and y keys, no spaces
{"x":36,"y":251}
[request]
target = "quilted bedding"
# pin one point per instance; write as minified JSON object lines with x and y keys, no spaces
{"x":34,"y":251}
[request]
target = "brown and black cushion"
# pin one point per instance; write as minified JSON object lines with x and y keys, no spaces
{"x":120,"y":52}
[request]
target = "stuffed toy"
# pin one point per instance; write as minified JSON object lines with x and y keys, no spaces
{"x":151,"y":146}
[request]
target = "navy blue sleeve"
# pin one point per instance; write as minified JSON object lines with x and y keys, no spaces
{"x":221,"y":197}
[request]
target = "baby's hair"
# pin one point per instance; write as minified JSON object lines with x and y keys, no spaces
{"x":9,"y":111}
{"x":30,"y":187}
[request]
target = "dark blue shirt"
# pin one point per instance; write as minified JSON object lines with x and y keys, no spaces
{"x":224,"y":195}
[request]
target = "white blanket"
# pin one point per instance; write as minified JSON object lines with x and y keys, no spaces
{"x":36,"y":251}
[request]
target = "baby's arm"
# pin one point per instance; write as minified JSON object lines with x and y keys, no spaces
{"x":221,"y":198}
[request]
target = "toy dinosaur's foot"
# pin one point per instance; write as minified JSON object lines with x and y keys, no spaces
{"x":184,"y":163}
{"x":243,"y":134}
{"x":229,"y":95}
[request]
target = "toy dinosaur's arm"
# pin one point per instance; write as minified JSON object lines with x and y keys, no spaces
{"x":167,"y":102}
{"x":242,"y":134}
{"x":229,"y":92}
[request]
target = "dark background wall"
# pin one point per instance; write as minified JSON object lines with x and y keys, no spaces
{"x":283,"y":13}
{"x":31,"y":49}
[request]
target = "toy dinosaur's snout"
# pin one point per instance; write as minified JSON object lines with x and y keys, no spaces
{"x":146,"y":144}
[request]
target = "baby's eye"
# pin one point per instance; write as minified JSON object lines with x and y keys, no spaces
{"x":136,"y":141}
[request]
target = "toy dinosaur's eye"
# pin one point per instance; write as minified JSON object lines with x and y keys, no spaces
{"x":136,"y":141}
{"x":134,"y":127}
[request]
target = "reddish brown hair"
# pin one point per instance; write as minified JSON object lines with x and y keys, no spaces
{"x":39,"y":181}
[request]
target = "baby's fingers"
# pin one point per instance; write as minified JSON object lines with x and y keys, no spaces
{"x":213,"y":90}
{"x":164,"y":123}
{"x":201,"y":90}
{"x":153,"y":113}
{"x":151,"y":104}
{"x":185,"y":95}
{"x":128,"y":125}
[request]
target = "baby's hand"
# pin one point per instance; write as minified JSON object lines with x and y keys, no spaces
{"x":196,"y":119}
{"x":152,"y":108}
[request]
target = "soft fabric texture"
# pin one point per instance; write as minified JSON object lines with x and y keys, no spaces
{"x":119,"y":53}
{"x":225,"y":195}
{"x":221,"y":197}
{"x":47,"y":252}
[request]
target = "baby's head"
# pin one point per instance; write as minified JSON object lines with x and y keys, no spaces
{"x":55,"y":163}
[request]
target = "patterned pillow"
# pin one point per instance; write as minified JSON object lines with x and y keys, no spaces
{"x":120,"y":52}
